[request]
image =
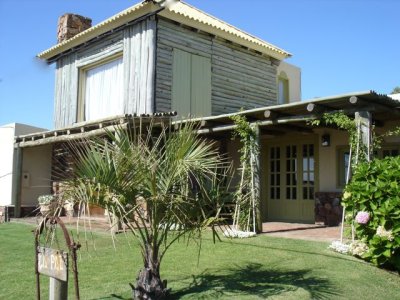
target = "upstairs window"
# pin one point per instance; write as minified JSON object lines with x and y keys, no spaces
{"x":191,"y":87}
{"x":283,"y":88}
{"x":101,"y":93}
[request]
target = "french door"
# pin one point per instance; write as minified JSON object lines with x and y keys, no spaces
{"x":290,"y":181}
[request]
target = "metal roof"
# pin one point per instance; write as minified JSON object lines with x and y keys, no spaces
{"x":180,"y":12}
{"x":295,"y":116}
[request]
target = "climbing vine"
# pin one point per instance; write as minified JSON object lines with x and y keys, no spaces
{"x":358,"y":151}
{"x":246,"y":205}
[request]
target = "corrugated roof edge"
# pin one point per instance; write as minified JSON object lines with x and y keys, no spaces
{"x":79,"y":38}
{"x":144,"y":8}
{"x":246,"y":34}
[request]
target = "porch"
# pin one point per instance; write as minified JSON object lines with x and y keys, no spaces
{"x":296,"y":159}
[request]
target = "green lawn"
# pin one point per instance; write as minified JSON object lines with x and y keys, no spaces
{"x":254,"y":268}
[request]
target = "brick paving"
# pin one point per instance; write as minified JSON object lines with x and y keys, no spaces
{"x":313,"y":232}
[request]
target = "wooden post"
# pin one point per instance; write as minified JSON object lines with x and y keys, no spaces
{"x":16,"y":189}
{"x":256,"y":180}
{"x":58,"y":289}
{"x":363,"y":120}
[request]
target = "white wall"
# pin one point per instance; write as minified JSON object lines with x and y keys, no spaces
{"x":7,"y":133}
{"x":7,"y":158}
{"x":294,"y":76}
{"x":328,"y":164}
{"x":36,"y":167}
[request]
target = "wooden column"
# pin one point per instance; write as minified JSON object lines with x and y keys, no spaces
{"x":256,"y":180}
{"x":364,"y":123}
{"x":16,"y":189}
{"x":58,"y":289}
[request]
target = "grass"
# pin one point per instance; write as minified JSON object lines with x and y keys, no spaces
{"x":253,"y":268}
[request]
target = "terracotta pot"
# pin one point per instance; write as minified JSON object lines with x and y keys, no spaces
{"x":69,"y":209}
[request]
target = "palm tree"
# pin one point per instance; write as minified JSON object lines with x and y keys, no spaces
{"x":162,"y":186}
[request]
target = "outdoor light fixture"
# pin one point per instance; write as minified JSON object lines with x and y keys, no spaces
{"x":326,"y":140}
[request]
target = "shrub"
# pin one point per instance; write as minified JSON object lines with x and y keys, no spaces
{"x":373,"y":198}
{"x":46,"y":199}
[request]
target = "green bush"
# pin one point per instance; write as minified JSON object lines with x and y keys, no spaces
{"x":375,"y":189}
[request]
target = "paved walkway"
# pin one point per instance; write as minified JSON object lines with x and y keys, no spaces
{"x":312,"y":232}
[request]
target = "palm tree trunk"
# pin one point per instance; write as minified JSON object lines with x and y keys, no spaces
{"x":148,"y":283}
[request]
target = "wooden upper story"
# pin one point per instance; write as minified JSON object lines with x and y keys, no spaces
{"x":151,"y":58}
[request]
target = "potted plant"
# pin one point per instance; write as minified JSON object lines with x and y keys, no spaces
{"x":46,"y":203}
{"x":69,"y":208}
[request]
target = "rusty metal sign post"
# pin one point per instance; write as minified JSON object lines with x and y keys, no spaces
{"x":54,"y":263}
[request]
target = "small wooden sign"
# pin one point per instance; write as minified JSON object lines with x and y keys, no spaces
{"x":53,"y":263}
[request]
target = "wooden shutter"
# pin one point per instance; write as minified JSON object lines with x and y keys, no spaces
{"x":181,"y":84}
{"x":191,"y":87}
{"x":201,"y":86}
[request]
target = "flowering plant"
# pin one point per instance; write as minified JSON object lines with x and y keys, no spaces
{"x":362,"y":217}
{"x":383,"y":233}
{"x":358,"y":248}
{"x":374,"y":193}
{"x":46,"y":199}
{"x":340,"y":247}
{"x":233,"y":233}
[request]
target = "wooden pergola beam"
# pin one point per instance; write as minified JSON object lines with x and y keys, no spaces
{"x":316,"y":108}
{"x":269,"y":114}
{"x":68,"y":137}
{"x":296,"y":128}
{"x":367,"y":106}
{"x":284,"y":120}
{"x":269,"y":131}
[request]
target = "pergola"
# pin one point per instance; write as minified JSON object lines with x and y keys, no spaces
{"x":278,"y":120}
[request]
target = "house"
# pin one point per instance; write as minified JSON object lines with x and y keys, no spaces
{"x":151,"y":59}
{"x":34,"y":171}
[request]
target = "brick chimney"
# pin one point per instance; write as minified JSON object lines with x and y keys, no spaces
{"x":70,"y":25}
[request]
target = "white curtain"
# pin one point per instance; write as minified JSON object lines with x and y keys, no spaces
{"x":139,"y":63}
{"x":104,"y":95}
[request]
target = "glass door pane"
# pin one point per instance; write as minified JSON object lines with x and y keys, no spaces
{"x":308,"y":172}
{"x":275,"y":173}
{"x":291,"y":172}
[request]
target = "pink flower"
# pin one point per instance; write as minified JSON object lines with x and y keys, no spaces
{"x":362,"y":217}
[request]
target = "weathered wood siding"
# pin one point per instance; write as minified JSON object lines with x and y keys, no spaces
{"x":240,"y":78}
{"x":66,"y":91}
{"x":137,"y":43}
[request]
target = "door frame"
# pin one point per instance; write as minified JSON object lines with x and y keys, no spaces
{"x":306,"y":206}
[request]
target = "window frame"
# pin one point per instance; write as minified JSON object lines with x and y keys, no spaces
{"x":340,"y":168}
{"x":82,"y":71}
{"x":284,"y":79}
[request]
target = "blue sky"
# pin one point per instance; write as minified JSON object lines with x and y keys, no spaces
{"x":340,"y":45}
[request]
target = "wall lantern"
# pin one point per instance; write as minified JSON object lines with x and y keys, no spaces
{"x":326,"y":140}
